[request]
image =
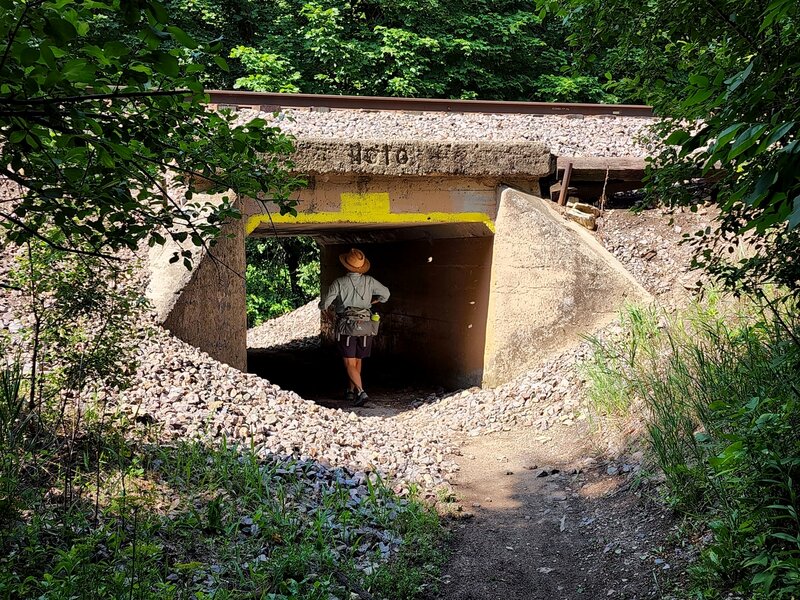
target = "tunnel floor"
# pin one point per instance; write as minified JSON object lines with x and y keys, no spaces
{"x":315,"y":372}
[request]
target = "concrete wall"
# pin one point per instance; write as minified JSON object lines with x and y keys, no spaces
{"x":551,"y":282}
{"x":339,"y":201}
{"x":434,"y":322}
{"x":205,"y":307}
{"x":428,"y":158}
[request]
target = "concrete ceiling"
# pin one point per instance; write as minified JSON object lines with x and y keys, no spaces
{"x":362,"y":233}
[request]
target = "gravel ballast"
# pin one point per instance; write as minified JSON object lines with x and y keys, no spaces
{"x":569,"y":135}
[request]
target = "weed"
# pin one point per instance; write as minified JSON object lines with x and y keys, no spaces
{"x":718,"y":385}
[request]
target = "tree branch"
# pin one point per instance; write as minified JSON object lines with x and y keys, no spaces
{"x":738,"y":30}
{"x":87,"y":97}
{"x":13,"y":34}
{"x":21,"y":224}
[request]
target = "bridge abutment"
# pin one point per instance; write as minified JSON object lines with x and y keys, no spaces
{"x":486,"y":278}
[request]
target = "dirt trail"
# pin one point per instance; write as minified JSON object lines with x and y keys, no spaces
{"x":550,"y":522}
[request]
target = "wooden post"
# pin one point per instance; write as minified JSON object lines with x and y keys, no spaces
{"x":562,"y":196}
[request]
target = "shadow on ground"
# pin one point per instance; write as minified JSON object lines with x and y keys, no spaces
{"x":553,"y":516}
{"x":553,"y":520}
{"x":315,"y":372}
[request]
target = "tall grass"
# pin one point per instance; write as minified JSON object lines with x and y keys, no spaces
{"x":719,"y":385}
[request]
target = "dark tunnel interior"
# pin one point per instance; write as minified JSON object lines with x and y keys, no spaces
{"x":433,"y":328}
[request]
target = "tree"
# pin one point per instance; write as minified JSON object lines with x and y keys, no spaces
{"x":436,"y":48}
{"x":282,"y":275}
{"x":99,"y":102}
{"x":723,"y":74}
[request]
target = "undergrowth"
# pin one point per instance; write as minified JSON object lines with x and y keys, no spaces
{"x":718,"y":384}
{"x":155,"y":522}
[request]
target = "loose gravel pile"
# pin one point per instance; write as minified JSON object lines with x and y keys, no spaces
{"x":184,"y":393}
{"x":300,"y":324}
{"x":181,"y":392}
{"x":649,"y":245}
{"x":573,"y":135}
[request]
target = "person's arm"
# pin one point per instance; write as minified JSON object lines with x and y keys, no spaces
{"x":379,"y":290}
{"x":330,"y":295}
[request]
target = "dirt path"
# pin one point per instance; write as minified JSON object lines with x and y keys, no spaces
{"x":551,"y":522}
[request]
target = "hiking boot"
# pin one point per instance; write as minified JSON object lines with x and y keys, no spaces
{"x":361,"y":398}
{"x":349,"y":395}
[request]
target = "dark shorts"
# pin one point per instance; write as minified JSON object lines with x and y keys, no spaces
{"x":355,"y":347}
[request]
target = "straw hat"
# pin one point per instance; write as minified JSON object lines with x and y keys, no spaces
{"x":354,"y":261}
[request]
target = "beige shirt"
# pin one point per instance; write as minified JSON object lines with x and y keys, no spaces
{"x":353,"y":290}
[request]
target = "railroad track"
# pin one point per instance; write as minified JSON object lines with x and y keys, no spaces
{"x":266,"y":101}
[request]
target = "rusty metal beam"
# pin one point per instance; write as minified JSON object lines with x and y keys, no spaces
{"x":273,"y":101}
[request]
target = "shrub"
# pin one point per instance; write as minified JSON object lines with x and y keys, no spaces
{"x":719,"y":389}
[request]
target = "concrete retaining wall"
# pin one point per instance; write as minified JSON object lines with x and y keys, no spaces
{"x":205,"y":307}
{"x":551,"y":282}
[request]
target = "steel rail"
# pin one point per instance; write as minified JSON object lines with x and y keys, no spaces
{"x":267,"y":101}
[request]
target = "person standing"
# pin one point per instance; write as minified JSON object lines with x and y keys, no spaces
{"x":352,"y":297}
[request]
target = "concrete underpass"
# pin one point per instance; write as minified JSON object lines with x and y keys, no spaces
{"x":433,"y":329}
{"x":487,"y":279}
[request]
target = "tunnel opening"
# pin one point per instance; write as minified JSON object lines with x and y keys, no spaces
{"x":433,"y":328}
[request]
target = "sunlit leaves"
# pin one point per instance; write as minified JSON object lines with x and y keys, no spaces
{"x":97,"y":112}
{"x":440,"y":48}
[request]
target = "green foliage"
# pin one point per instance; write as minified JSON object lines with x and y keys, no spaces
{"x":78,"y":336}
{"x":84,"y":315}
{"x":413,"y":573}
{"x":99,"y":102}
{"x":719,"y":388}
{"x":267,"y":71}
{"x":436,"y":48}
{"x":190,"y":522}
{"x":13,"y":444}
{"x":724,"y":76}
{"x":563,"y":88}
{"x":282,"y":274}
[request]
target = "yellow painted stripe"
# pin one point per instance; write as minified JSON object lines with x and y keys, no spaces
{"x":368,"y":208}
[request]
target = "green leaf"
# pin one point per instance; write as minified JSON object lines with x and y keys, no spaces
{"x":159,"y":11}
{"x":677,"y":137}
{"x":698,"y":97}
{"x":761,"y":188}
{"x":763,"y":579}
{"x":63,"y":31}
{"x":182,"y":37}
{"x":166,"y":64}
{"x":221,"y":63}
{"x":776,"y":135}
{"x":786,"y":537}
{"x":746,"y":140}
{"x":734,"y":82}
{"x":794,"y":218}
{"x":28,"y":56}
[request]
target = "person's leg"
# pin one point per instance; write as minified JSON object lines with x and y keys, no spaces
{"x":353,"y":372}
{"x":350,"y":384}
{"x":348,"y":349}
{"x":364,"y":350}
